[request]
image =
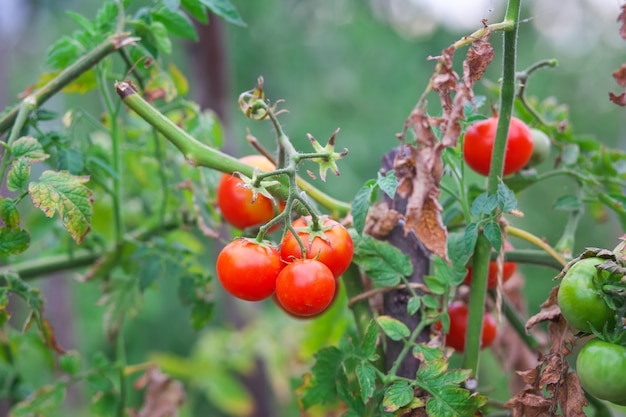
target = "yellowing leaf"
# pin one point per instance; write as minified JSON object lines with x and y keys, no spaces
{"x":180,"y":82}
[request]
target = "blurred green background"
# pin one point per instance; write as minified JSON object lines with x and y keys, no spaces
{"x":353,"y":64}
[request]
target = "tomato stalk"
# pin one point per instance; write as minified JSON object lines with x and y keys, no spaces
{"x":523,"y":79}
{"x":483,"y":246}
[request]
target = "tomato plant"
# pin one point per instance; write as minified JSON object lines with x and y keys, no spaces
{"x":478,"y":145}
{"x":508,"y":269}
{"x":455,"y":338}
{"x":238,"y":204}
{"x":305,"y":287}
{"x":580,"y":297}
{"x":601,"y":367}
{"x":332,"y":245}
{"x":248,"y":270}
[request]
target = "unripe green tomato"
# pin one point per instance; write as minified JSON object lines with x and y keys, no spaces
{"x":580,"y":299}
{"x":541,"y":147}
{"x":601,"y":367}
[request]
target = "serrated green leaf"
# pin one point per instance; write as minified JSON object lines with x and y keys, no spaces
{"x":413,"y":305}
{"x":470,"y":236}
{"x":201,"y":313}
{"x":370,"y":340}
{"x":225,"y":10}
{"x":393,"y":328}
{"x":506,"y":198}
{"x":321,"y":389}
{"x":42,"y":402}
{"x":458,"y":250}
{"x":484,"y":204}
{"x":70,"y":160}
{"x":382,"y":262}
{"x":178,"y":79}
{"x":448,"y":398}
{"x":29,"y":148}
{"x":388,"y":183}
{"x":430,"y":301}
{"x":360,"y":207}
{"x":196,"y":9}
{"x":63,"y":52}
{"x":176,"y":23}
{"x":366,"y":375}
{"x":106,"y":18}
{"x":66,"y":194}
{"x":435,"y":284}
{"x":121,"y":299}
{"x":9,"y":213}
{"x":427,"y":353}
{"x":13,"y":242}
{"x":18,"y":175}
{"x":568,"y":203}
{"x":493,"y":233}
{"x":397,"y":395}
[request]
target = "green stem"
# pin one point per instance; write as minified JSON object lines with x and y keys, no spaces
{"x":27,"y":106}
{"x":35,"y":268}
{"x":361,"y":310}
{"x":199,"y":154}
{"x":523,"y":79}
{"x":69,"y":74}
{"x":529,"y":257}
{"x":478,"y":291}
{"x":120,"y":353}
{"x":408,"y":344}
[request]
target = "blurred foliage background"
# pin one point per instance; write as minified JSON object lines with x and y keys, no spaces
{"x":353,"y":64}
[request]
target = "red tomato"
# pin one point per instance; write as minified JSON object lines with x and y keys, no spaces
{"x":248,"y":270}
{"x":478,"y":146}
{"x":235,"y":201}
{"x":305,"y":287}
{"x":275,"y":299}
{"x":508,"y":269}
{"x":332,"y":246}
{"x":457,"y":311}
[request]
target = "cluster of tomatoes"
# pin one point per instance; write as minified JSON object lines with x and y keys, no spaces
{"x":303,"y":286}
{"x":601,"y":365}
{"x":525,"y":146}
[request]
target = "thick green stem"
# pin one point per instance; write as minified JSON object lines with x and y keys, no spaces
{"x":529,"y":257}
{"x":69,"y":74}
{"x":477,"y":304}
{"x":199,"y":154}
{"x":483,"y":246}
{"x":35,"y":268}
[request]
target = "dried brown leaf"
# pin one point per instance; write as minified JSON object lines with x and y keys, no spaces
{"x":546,"y":314}
{"x":621,"y":19}
{"x":572,"y":397}
{"x":619,"y":75}
{"x":430,"y":229}
{"x":620,"y":100}
{"x":479,"y":56}
{"x":381,"y":220}
{"x":163,"y":397}
{"x":530,"y":403}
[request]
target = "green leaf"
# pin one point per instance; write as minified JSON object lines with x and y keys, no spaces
{"x":470,"y":236}
{"x":194,"y":290}
{"x":427,"y":353}
{"x":493,"y":233}
{"x":570,"y":154}
{"x":82,"y":21}
{"x":121,"y":299}
{"x":448,"y":398}
{"x":41,"y":402}
{"x":228,"y":394}
{"x":196,"y":9}
{"x":506,"y":198}
{"x":70,"y":160}
{"x":430,"y":301}
{"x":13,"y":242}
{"x":397,"y":395}
{"x":370,"y":340}
{"x":360,"y":207}
{"x":161,"y":37}
{"x":176,"y":23}
{"x":435,"y":284}
{"x":225,"y":10}
{"x":201,"y":313}
{"x":388,"y":183}
{"x":321,"y":389}
{"x":9,"y":213}
{"x":366,"y":375}
{"x":568,"y":203}
{"x":66,"y":194}
{"x":29,"y":148}
{"x":413,"y":305}
{"x":63,"y":52}
{"x":70,"y":363}
{"x":393,"y":328}
{"x":484,"y":204}
{"x":18,"y":175}
{"x":172,"y":5}
{"x":383,"y":263}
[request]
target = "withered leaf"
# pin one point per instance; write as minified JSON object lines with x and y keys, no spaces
{"x":620,"y":75}
{"x":572,"y":397}
{"x":163,"y":397}
{"x":620,"y":100}
{"x":621,"y":19}
{"x":529,"y":403}
{"x":479,"y":56}
{"x":552,"y":312}
{"x":429,"y":229}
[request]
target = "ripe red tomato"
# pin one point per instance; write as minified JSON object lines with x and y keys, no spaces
{"x":457,"y":311}
{"x":478,"y":145}
{"x":235,"y":201}
{"x":508,"y":269}
{"x":332,"y":246}
{"x":305,"y":287}
{"x":248,"y":270}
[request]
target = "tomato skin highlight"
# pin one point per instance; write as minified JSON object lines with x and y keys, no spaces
{"x":601,"y":368}
{"x":248,"y":270}
{"x":579,"y":300}
{"x":305,"y":288}
{"x":508,"y":269}
{"x":455,"y":338}
{"x":479,"y":140}
{"x":335,"y":250}
{"x":235,"y":202}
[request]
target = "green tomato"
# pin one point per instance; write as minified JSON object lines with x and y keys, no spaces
{"x":580,"y":298}
{"x":541,"y":147}
{"x":601,"y":367}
